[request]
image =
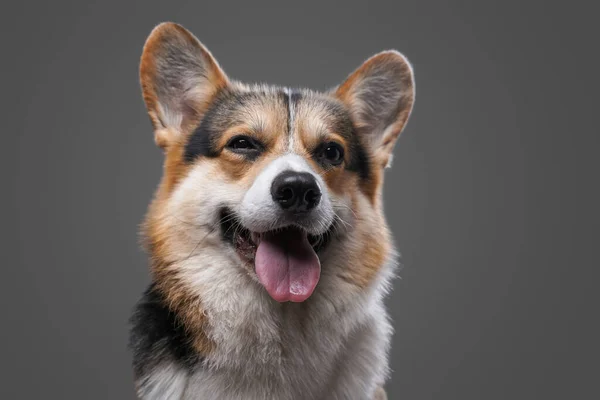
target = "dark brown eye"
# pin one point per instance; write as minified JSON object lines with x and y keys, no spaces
{"x":332,"y":153}
{"x":244,"y":145}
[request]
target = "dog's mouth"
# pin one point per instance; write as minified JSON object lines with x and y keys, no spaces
{"x":285,"y":260}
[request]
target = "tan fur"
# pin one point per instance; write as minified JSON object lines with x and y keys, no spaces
{"x":158,"y":231}
{"x":373,"y":248}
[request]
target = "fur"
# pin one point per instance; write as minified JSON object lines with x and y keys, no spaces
{"x":206,"y":328}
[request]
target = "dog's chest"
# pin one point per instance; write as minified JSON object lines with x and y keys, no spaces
{"x":289,"y":354}
{"x":296,"y":375}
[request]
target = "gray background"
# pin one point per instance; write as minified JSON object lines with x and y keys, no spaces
{"x":492,"y":198}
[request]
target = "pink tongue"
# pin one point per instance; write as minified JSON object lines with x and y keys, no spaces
{"x":287,"y":266}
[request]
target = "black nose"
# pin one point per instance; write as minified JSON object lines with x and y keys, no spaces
{"x":296,"y":191}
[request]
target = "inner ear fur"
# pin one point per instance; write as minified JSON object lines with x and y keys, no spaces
{"x":380,"y":95}
{"x":179,"y":79}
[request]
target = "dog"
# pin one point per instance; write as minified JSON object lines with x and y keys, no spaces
{"x":270,"y":253}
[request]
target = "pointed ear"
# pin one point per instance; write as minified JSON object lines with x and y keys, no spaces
{"x":179,"y":78}
{"x":380,"y":96}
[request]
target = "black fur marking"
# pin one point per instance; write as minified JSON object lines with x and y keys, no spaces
{"x":157,"y":336}
{"x":290,"y":100}
{"x":220,"y":114}
{"x":359,"y":160}
{"x":200,"y":143}
{"x":286,"y":104}
{"x":296,"y":96}
{"x":202,"y":139}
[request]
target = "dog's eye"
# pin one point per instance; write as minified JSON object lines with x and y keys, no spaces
{"x":243,"y":144}
{"x":332,"y":153}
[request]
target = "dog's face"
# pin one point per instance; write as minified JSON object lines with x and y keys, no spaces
{"x":283,"y":184}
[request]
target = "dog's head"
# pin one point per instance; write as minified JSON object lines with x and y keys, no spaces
{"x":282,"y":186}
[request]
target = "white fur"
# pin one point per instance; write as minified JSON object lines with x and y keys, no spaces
{"x":168,"y":381}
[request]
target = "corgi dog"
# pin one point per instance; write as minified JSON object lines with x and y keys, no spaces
{"x":270,"y":253}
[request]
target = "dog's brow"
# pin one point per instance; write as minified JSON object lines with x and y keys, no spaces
{"x":256,"y":121}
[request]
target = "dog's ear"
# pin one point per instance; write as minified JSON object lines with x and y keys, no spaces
{"x":179,"y":78}
{"x":380,"y":96}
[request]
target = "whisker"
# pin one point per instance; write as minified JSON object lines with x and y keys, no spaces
{"x":200,"y":242}
{"x":222,"y":220}
{"x":348,"y":208}
{"x":341,"y":224}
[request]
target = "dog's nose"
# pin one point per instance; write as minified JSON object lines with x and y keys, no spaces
{"x":296,"y":191}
